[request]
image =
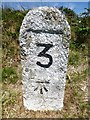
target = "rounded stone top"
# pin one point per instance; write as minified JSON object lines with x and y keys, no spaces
{"x":45,"y":19}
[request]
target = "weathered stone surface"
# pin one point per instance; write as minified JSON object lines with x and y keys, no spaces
{"x":44,"y":41}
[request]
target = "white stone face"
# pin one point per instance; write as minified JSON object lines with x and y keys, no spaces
{"x":44,"y":41}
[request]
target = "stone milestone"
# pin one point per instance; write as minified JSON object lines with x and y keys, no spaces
{"x":44,"y":42}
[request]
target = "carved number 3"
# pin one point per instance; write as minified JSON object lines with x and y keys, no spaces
{"x":43,"y":53}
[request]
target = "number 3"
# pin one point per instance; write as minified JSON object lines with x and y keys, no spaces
{"x":43,"y":53}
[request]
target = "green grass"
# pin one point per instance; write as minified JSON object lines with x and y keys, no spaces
{"x":9,"y":97}
{"x":74,"y":58}
{"x":9,"y":75}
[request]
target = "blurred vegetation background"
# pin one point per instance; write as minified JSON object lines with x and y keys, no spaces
{"x":76,"y":90}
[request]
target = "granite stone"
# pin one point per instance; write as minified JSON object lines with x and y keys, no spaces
{"x":44,"y":42}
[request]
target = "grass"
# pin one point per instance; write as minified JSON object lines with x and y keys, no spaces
{"x":9,"y":75}
{"x":79,"y":77}
{"x":74,"y":58}
{"x":9,"y":97}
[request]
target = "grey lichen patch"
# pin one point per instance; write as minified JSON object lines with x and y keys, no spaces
{"x":51,"y":15}
{"x":44,"y":41}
